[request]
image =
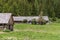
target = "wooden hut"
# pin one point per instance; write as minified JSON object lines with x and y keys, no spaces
{"x":6,"y":21}
{"x":19,"y":19}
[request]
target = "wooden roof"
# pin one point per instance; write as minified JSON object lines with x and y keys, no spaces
{"x":4,"y":18}
{"x":29,"y":18}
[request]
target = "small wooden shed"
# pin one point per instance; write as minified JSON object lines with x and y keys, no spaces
{"x":19,"y":19}
{"x":6,"y":21}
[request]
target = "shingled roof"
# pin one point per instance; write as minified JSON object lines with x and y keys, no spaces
{"x":29,"y":18}
{"x":4,"y":18}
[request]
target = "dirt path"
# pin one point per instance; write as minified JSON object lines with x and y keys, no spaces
{"x":1,"y":32}
{"x":29,"y":30}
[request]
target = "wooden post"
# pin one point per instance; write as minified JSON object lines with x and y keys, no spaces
{"x":11,"y":27}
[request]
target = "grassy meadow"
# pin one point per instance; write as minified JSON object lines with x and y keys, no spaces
{"x":33,"y":32}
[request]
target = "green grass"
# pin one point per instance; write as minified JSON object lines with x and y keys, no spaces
{"x":33,"y":32}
